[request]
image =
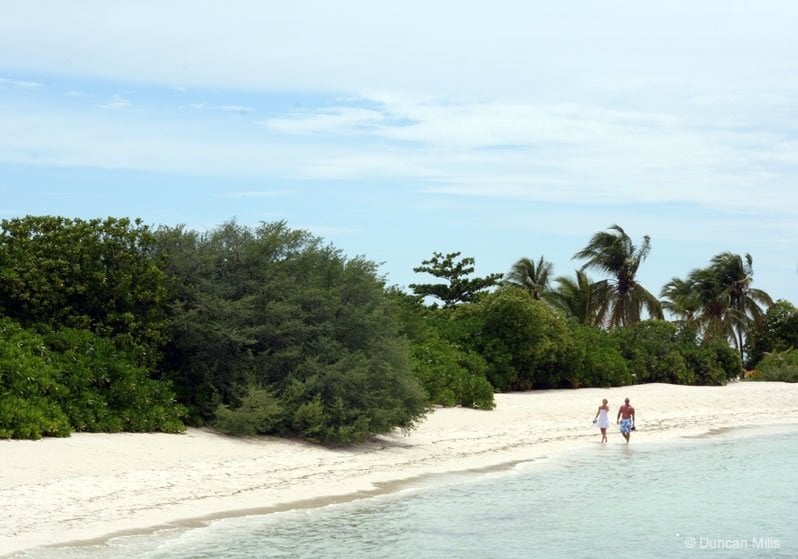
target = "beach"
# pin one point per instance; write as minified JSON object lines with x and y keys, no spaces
{"x":90,"y":486}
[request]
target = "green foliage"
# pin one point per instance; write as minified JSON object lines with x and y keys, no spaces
{"x":526,"y":344}
{"x":658,"y":351}
{"x":73,"y":380}
{"x":713,"y":362}
{"x":529,"y":275}
{"x":597,"y":359}
{"x":106,"y":390}
{"x":452,"y":376}
{"x":29,"y":388}
{"x":653,"y":353}
{"x":259,"y":412}
{"x":442,"y":352}
{"x":275,"y":308}
{"x":459,"y":288}
{"x":623,"y":297}
{"x":776,"y":331}
{"x":778,"y":366}
{"x":97,"y":275}
{"x":580,"y":299}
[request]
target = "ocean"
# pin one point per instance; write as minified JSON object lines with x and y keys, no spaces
{"x":728,"y":494}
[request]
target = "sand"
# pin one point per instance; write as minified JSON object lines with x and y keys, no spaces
{"x":90,"y":486}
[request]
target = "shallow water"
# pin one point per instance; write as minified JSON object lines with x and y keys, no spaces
{"x":734,"y":494}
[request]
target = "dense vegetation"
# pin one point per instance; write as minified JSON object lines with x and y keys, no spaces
{"x":109,"y":325}
{"x":276,"y":333}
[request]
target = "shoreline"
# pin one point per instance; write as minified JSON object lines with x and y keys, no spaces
{"x":90,"y":488}
{"x":420,"y":482}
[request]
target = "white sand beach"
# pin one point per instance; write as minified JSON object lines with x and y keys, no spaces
{"x":90,"y":486}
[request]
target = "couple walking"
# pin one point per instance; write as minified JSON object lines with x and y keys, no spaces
{"x":625,"y":419}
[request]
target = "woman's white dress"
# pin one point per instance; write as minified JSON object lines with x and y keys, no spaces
{"x":603,"y":419}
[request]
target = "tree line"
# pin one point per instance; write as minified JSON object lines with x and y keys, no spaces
{"x":112,"y":325}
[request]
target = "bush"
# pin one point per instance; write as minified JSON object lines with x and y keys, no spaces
{"x":597,"y":359}
{"x":32,"y":418}
{"x":258,"y":413}
{"x":713,"y":362}
{"x":452,"y":376}
{"x":74,"y":380}
{"x":106,"y":390}
{"x":275,"y":308}
{"x":526,"y":344}
{"x":653,"y":352}
{"x":778,"y":366}
{"x":29,"y":388}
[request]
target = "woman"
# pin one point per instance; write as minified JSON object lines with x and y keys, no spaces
{"x":603,"y":419}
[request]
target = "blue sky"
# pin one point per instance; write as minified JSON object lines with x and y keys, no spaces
{"x":395,"y":129}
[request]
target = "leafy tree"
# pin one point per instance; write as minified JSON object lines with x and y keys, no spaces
{"x":273,"y":309}
{"x":442,"y":352}
{"x":459,"y":288}
{"x":534,"y":277}
{"x":597,"y":359}
{"x":653,"y":352}
{"x":776,"y":331}
{"x":525,"y":343}
{"x":98,"y":275}
{"x":208,"y":357}
{"x":258,"y":412}
{"x":105,"y":389}
{"x":613,"y":253}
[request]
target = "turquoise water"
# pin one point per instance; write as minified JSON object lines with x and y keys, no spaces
{"x":734,"y":494}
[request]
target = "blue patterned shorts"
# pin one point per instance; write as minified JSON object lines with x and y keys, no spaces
{"x":626,"y":425}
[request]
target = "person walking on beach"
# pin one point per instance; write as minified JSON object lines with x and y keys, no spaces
{"x":603,"y":419}
{"x":626,"y":415}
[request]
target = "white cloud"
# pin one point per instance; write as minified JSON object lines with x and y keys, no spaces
{"x":333,"y":120}
{"x":523,"y":151}
{"x":510,"y":48}
{"x":241,"y":109}
{"x":257,"y":194}
{"x":22,"y":84}
{"x":235,"y":109}
{"x":654,"y":102}
{"x":117,"y":102}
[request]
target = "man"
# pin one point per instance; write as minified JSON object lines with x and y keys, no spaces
{"x":626,"y":415}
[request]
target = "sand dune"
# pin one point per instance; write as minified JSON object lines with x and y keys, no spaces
{"x":91,"y":485}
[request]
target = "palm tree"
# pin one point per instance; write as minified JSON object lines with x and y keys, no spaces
{"x":613,"y":253}
{"x":713,"y":308}
{"x":579,"y":298}
{"x":680,"y":299}
{"x":734,"y":276}
{"x":530,"y":276}
{"x":720,"y":297}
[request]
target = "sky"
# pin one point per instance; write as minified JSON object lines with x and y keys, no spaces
{"x":393,"y":130}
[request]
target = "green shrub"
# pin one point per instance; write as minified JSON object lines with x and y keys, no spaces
{"x":74,"y":380}
{"x":653,"y":352}
{"x":29,"y":388}
{"x":597,"y":360}
{"x":31,"y":418}
{"x":106,"y":390}
{"x":452,"y":376}
{"x":258,"y":413}
{"x":778,"y":366}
